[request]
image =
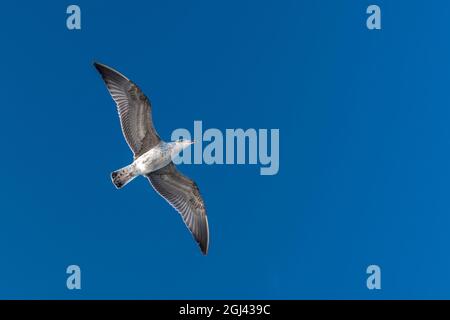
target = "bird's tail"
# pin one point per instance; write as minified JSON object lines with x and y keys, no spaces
{"x":122,"y":176}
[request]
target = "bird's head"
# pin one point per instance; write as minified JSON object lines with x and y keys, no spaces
{"x":179,"y":145}
{"x":183,"y":143}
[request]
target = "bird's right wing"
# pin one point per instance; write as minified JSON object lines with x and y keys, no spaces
{"x":134,"y":110}
{"x":182,"y":193}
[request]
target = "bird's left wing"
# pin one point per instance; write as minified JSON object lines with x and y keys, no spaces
{"x":183,"y":194}
{"x":134,"y":110}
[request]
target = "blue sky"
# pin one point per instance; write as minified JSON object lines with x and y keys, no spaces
{"x":364,"y":149}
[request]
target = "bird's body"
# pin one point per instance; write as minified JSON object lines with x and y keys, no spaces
{"x":153,"y":157}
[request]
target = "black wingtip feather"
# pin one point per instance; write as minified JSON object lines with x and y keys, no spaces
{"x":203,"y":248}
{"x":204,"y":240}
{"x":109,"y":73}
{"x":97,"y":65}
{"x":103,"y":69}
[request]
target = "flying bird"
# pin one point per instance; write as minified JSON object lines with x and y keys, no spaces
{"x":152,"y":157}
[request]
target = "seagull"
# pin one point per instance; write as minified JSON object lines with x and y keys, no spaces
{"x":152,"y":156}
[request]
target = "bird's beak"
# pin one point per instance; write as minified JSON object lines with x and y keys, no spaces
{"x":193,"y":141}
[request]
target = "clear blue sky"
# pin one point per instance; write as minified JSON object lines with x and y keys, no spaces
{"x":364,"y":149}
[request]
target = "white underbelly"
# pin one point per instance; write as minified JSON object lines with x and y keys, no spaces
{"x":152,"y":160}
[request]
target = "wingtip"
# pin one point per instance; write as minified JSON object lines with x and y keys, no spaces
{"x":204,"y":249}
{"x":99,"y":66}
{"x":107,"y":71}
{"x":204,"y":245}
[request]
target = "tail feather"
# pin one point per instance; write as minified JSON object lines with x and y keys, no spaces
{"x":122,"y":176}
